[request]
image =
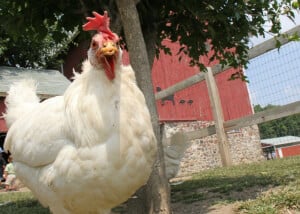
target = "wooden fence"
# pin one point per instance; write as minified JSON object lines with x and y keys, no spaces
{"x":220,"y":126}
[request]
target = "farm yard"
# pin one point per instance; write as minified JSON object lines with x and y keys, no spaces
{"x":258,"y":188}
{"x":252,"y":185}
{"x":227,"y":131}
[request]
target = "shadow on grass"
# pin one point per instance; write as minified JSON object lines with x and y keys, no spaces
{"x":227,"y":188}
{"x":27,"y":206}
{"x":220,"y":183}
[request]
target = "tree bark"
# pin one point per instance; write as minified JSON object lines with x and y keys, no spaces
{"x":150,"y":39}
{"x":155,"y":196}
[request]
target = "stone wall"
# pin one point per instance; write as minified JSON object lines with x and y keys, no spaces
{"x":204,"y":153}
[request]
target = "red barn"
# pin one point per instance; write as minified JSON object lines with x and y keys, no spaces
{"x":3,"y":128}
{"x":193,"y":103}
{"x":281,"y":146}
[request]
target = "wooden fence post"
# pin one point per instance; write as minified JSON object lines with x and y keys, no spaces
{"x":218,"y":118}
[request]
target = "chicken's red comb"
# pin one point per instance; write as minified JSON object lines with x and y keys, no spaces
{"x":101,"y":24}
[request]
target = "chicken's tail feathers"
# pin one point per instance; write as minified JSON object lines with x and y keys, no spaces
{"x":21,"y":98}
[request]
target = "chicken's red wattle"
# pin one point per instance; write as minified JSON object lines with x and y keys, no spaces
{"x":108,"y":64}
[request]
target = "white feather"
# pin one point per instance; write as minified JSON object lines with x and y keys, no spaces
{"x":88,"y":150}
{"x":21,"y":99}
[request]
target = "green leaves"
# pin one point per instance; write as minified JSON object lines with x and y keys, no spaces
{"x":225,"y":25}
{"x":36,"y":49}
{"x":296,"y":4}
{"x":280,"y":127}
{"x":36,"y":32}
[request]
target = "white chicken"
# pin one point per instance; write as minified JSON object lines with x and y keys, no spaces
{"x":92,"y":148}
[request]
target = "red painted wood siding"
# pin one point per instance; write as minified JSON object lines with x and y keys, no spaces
{"x":188,"y":104}
{"x":3,"y":127}
{"x":290,"y":151}
{"x":193,"y":103}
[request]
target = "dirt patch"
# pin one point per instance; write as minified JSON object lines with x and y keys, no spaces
{"x":202,"y":207}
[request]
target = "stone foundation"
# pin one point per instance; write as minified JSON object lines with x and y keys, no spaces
{"x":204,"y":153}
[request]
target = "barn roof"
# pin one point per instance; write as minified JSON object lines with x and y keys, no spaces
{"x":49,"y":82}
{"x":281,"y":140}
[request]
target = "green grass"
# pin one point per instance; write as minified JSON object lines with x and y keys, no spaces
{"x":277,"y":201}
{"x":20,"y":203}
{"x":271,"y":187}
{"x":232,"y":184}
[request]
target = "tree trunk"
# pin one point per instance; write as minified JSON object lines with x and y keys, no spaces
{"x":150,"y":39}
{"x":155,"y":196}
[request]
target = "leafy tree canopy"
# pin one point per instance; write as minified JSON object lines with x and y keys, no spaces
{"x":280,"y":127}
{"x":35,"y":33}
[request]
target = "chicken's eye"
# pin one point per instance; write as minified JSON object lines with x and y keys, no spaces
{"x":94,"y":44}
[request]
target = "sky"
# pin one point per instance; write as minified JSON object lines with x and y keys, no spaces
{"x":275,"y":76}
{"x":287,"y":24}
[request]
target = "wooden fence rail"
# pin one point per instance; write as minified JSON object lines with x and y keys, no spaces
{"x":220,"y":126}
{"x":260,"y":117}
{"x":253,"y":52}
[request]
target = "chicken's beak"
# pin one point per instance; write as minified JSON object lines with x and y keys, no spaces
{"x":109,"y":48}
{"x":107,"y":56}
